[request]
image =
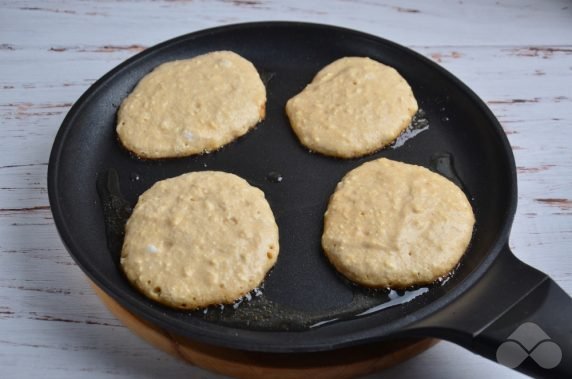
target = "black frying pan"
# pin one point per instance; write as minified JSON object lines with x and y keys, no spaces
{"x":306,"y":306}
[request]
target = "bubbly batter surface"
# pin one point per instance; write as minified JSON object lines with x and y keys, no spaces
{"x":192,"y":106}
{"x":354,"y":106}
{"x":392,"y":224}
{"x":199,"y":239}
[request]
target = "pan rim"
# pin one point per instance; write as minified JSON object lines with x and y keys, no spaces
{"x":251,"y":340}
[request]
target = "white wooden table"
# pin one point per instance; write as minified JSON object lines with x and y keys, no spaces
{"x":517,"y":55}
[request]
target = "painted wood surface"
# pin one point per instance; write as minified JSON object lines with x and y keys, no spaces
{"x":516,"y":55}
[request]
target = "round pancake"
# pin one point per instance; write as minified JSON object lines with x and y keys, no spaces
{"x":353,"y":107}
{"x":199,"y":239}
{"x":392,"y":224}
{"x":192,"y":106}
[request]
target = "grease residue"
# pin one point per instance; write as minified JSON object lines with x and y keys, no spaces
{"x":418,"y":125}
{"x":254,"y":310}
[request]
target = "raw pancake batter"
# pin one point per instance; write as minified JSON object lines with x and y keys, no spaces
{"x":353,"y":107}
{"x":392,"y":224}
{"x":199,"y":239}
{"x":192,"y":106}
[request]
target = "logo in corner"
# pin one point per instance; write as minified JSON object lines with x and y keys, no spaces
{"x":529,"y":340}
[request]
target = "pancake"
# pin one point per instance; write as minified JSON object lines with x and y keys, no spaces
{"x":392,"y":224}
{"x":353,"y":107}
{"x":192,"y":106}
{"x":199,"y":239}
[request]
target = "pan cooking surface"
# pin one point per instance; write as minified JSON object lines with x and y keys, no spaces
{"x":456,"y":136}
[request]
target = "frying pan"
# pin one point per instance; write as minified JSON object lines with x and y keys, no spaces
{"x":305,"y":305}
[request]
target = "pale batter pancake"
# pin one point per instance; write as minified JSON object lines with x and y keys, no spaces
{"x":199,"y":239}
{"x":354,"y":106}
{"x":392,"y":224}
{"x":192,"y":106}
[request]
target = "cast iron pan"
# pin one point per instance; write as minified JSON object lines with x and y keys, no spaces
{"x":306,"y":306}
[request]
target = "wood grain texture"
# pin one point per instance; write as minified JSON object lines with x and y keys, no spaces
{"x":341,"y":364}
{"x":516,"y":55}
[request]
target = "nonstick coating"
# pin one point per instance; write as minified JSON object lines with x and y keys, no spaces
{"x":287,"y":55}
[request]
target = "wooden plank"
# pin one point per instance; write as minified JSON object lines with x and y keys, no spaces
{"x":435,"y":23}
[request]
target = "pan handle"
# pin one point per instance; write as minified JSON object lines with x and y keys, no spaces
{"x":514,"y":315}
